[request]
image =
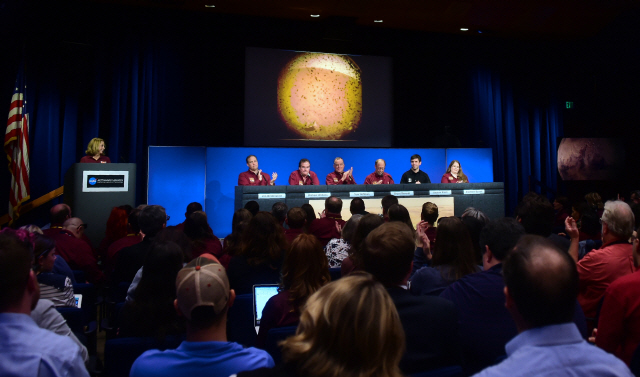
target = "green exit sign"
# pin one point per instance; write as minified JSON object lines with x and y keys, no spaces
{"x":569,"y":105}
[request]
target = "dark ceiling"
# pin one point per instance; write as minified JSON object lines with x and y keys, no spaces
{"x":528,"y":19}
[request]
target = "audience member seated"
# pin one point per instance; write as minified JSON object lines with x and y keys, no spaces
{"x":261,"y":257}
{"x":366,"y":224}
{"x":133,"y":237}
{"x":305,"y":270}
{"x":541,"y":288}
{"x":116,"y":229}
{"x":152,"y":312}
{"x":562,"y":210}
{"x":47,"y":317}
{"x":232,"y":243}
{"x":619,"y":322}
{"x":429,"y":323}
{"x":428,"y":219}
{"x":338,"y":248}
{"x":613,"y":260}
{"x":535,"y":213}
{"x":152,"y":219}
{"x":203,"y":298}
{"x":349,"y":328}
{"x":398,"y":212}
{"x":451,"y":260}
{"x":357,"y":207}
{"x":279,"y":211}
{"x":203,"y":241}
{"x":595,"y":202}
{"x":386,"y":202}
{"x":54,"y":287}
{"x":253,"y":207}
{"x":330,"y":222}
{"x":25,"y":348}
{"x":76,"y":252}
{"x":60,"y":266}
{"x":59,"y":214}
{"x":311,"y":215}
{"x":484,"y":322}
{"x":296,"y":221}
{"x":474,"y":226}
{"x":191,"y":208}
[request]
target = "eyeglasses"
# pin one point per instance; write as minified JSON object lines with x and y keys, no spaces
{"x":168,"y":217}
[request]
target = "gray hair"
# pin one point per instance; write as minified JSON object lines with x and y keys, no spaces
{"x":619,"y":218}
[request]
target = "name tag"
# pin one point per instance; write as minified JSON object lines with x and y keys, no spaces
{"x":360,"y":194}
{"x":335,"y":179}
{"x":439,"y":192}
{"x":409,"y":180}
{"x":473,"y":192}
{"x":272,"y":196}
{"x":251,"y":180}
{"x":402,"y":193}
{"x":308,"y":195}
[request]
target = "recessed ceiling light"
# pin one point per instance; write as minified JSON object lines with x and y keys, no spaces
{"x":464,"y":29}
{"x":377,"y":20}
{"x":315,"y":15}
{"x":209,"y":6}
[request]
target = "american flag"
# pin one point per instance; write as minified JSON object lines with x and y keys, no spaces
{"x":16,"y":145}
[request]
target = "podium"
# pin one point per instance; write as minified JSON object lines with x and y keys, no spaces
{"x":92,"y":190}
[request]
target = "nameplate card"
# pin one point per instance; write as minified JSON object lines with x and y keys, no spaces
{"x":360,"y":194}
{"x":439,"y":192}
{"x":311,"y":195}
{"x":105,"y":181}
{"x":402,"y":193}
{"x":474,"y":192}
{"x":272,"y":196}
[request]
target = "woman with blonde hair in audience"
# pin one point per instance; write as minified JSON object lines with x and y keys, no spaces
{"x":305,"y":270}
{"x":349,"y":328}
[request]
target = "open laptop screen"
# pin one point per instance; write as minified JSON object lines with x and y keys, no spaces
{"x":261,"y":294}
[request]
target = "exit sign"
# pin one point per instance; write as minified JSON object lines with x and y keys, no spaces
{"x":569,"y":105}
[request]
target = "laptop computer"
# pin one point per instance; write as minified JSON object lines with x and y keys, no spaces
{"x":261,"y":294}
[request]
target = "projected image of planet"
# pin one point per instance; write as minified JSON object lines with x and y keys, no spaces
{"x":591,"y":159}
{"x":320,"y":96}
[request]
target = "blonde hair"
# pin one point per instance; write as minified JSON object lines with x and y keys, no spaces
{"x":348,"y":328}
{"x":94,"y":146}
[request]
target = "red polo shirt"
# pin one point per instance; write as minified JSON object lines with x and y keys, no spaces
{"x":325,"y":229}
{"x":249,"y":178}
{"x":295,"y":179}
{"x":78,"y":255}
{"x":373,"y":177}
{"x":335,"y":178}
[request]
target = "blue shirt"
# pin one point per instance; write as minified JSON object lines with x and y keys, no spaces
{"x":27,"y":350}
{"x":556,"y":350}
{"x":211,"y":359}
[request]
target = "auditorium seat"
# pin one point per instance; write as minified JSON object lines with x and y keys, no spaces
{"x":121,"y":353}
{"x":274,"y":336}
{"x":240,"y":325}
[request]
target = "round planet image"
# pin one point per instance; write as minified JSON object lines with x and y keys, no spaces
{"x":320,"y":96}
{"x":590,"y":158}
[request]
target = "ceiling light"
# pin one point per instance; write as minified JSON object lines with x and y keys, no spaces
{"x":464,"y":29}
{"x":315,"y":15}
{"x":377,"y":20}
{"x":209,"y":6}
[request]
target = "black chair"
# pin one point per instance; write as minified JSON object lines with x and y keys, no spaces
{"x":274,"y":336}
{"x":635,"y":362}
{"x":111,"y":324}
{"x":335,"y":273}
{"x":240,"y":321}
{"x":86,"y":332}
{"x":79,"y":276}
{"x":121,"y":353}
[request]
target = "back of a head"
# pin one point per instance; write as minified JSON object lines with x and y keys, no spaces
{"x":387,"y":202}
{"x":350,"y":226}
{"x":536,"y":215}
{"x":296,"y":218}
{"x":454,"y":247}
{"x":365,"y":226}
{"x":619,"y":218}
{"x":263,"y":240}
{"x":175,"y":235}
{"x":311,"y":213}
{"x":475,"y":213}
{"x":240,"y":216}
{"x":501,"y":236}
{"x":152,"y":219}
{"x":253,"y":207}
{"x":399,"y":213}
{"x":333,"y":204}
{"x":594,"y":199}
{"x":429,"y":212}
{"x":474,"y":226}
{"x":542,"y":280}
{"x":196,"y":226}
{"x":356,"y":206}
{"x":59,"y":213}
{"x":161,"y":266}
{"x":279,"y":211}
{"x":15,"y":265}
{"x":193,"y":207}
{"x":305,"y":268}
{"x":348,"y":328}
{"x":387,"y":253}
{"x":117,"y":224}
{"x":134,"y":226}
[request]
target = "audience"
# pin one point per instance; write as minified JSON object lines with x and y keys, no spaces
{"x":305,"y":270}
{"x":398,"y":212}
{"x":191,"y":208}
{"x":261,"y":257}
{"x":76,"y":253}
{"x":279,"y":211}
{"x":541,"y":288}
{"x":232,"y":242}
{"x":451,"y":260}
{"x":429,"y":322}
{"x":357,"y":207}
{"x":133,"y":237}
{"x":349,"y":328}
{"x":366,"y":224}
{"x":253,"y":207}
{"x":203,"y":241}
{"x":311,"y":215}
{"x":25,"y":348}
{"x":296,"y":220}
{"x":428,"y":218}
{"x":55,"y":287}
{"x":338,"y":248}
{"x":476,"y":214}
{"x":330,"y":223}
{"x":203,"y":297}
{"x":595,"y":202}
{"x":116,"y":228}
{"x":386,"y":203}
{"x":535,"y":213}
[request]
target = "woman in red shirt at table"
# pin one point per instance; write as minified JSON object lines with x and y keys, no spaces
{"x":454,"y":174}
{"x":95,"y":152}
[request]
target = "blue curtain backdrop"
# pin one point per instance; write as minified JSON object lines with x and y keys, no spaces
{"x":522,"y":132}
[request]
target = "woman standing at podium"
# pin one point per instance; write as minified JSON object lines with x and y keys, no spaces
{"x":454,"y":174}
{"x":95,"y":152}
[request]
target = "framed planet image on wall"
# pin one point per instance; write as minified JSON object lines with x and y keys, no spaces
{"x":295,"y":98}
{"x":591,"y":159}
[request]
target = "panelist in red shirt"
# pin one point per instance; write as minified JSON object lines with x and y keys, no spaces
{"x":254,"y":176}
{"x":379,"y":177}
{"x":339,"y":176}
{"x":95,"y":153}
{"x":454,"y":174}
{"x":303,"y":176}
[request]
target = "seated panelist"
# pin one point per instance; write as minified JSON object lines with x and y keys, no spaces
{"x":95,"y":152}
{"x":415,"y":175}
{"x":339,"y":176}
{"x":303,"y":176}
{"x":379,"y":177}
{"x":454,"y":174}
{"x":254,"y":176}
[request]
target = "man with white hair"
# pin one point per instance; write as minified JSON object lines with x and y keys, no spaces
{"x":614,"y":259}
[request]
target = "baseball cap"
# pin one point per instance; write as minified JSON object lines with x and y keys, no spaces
{"x":202,"y":282}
